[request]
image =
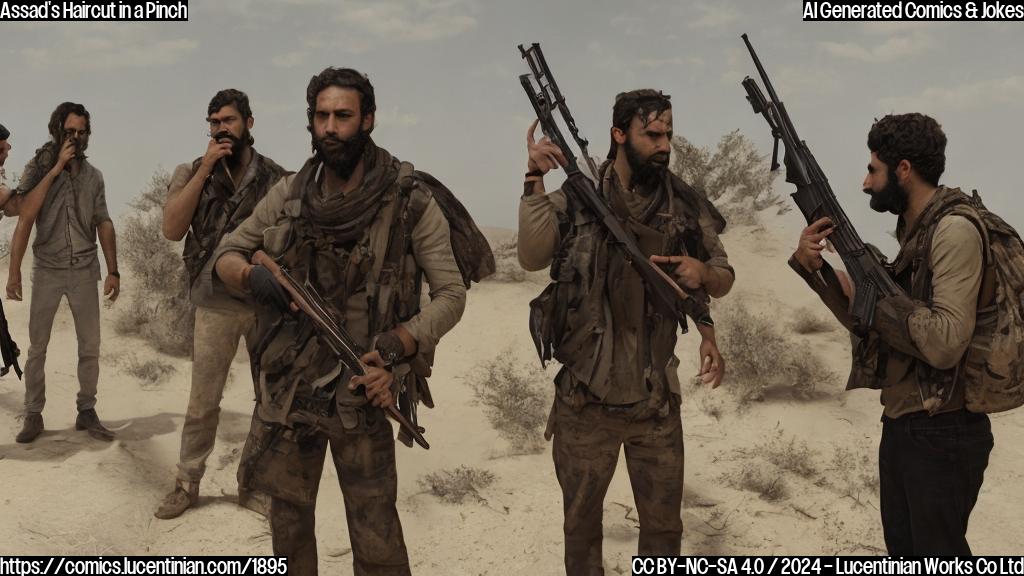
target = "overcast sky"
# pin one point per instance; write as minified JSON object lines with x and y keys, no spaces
{"x":449,"y":99}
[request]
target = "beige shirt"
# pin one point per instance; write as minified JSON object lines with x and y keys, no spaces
{"x":204,"y":291}
{"x":943,"y":331}
{"x":267,"y":229}
{"x":73,"y":209}
{"x":539,"y":239}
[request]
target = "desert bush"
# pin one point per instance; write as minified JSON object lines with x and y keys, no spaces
{"x":764,"y":480}
{"x":516,"y":397}
{"x":452,"y":486}
{"x":506,"y":261}
{"x":791,"y":455}
{"x":759,"y":356}
{"x":159,"y":310}
{"x":151,"y":372}
{"x":806,"y":321}
{"x":854,"y":471}
{"x":735,"y":176}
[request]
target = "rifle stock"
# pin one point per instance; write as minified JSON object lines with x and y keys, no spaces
{"x":8,"y":347}
{"x":815,"y":199}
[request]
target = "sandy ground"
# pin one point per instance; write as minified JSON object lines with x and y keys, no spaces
{"x":68,"y":494}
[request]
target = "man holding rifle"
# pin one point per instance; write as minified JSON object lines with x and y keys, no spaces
{"x":361,"y":229}
{"x":618,"y":384}
{"x":933,"y":452}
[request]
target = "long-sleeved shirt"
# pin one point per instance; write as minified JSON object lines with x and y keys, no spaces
{"x":942,"y":332}
{"x":538,"y":240}
{"x":73,"y":209}
{"x":268,"y":228}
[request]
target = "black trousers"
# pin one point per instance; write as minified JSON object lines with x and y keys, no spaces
{"x":930,"y":471}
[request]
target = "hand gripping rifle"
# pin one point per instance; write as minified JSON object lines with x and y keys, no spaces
{"x":341,"y":343}
{"x":546,"y":98}
{"x":816,"y":200}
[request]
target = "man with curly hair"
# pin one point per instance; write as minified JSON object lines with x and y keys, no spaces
{"x":62,"y":194}
{"x":933,"y":451}
{"x":363,"y":229}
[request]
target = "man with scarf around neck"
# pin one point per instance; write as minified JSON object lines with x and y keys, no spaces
{"x":341,"y":225}
{"x":206,"y":199}
{"x":618,"y":384}
{"x":933,"y":452}
{"x":62,"y":194}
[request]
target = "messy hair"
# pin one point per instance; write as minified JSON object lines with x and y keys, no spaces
{"x":635,"y":103}
{"x":342,"y":78}
{"x":914,"y":137}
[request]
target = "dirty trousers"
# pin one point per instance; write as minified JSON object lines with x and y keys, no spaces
{"x":586,"y":451}
{"x":364,"y":458}
{"x":215,"y":343}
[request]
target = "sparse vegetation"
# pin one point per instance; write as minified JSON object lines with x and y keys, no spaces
{"x":453,"y":486}
{"x":735,"y":176}
{"x":791,"y":455}
{"x":761,"y":357}
{"x":854,"y":471}
{"x":515,"y":398}
{"x":506,"y":261}
{"x":151,"y":372}
{"x":767,"y":481}
{"x":806,"y":321}
{"x":158,"y":310}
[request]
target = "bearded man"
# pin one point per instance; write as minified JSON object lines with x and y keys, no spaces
{"x":207,"y":199}
{"x":618,"y":384}
{"x":362,"y":229}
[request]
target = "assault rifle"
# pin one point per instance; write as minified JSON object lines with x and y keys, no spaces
{"x":341,"y":343}
{"x":546,"y":98}
{"x":816,"y":200}
{"x":8,"y":347}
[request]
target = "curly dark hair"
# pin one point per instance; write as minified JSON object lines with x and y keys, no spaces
{"x":230,"y":97}
{"x":61,"y":113}
{"x":636,"y":103}
{"x":914,"y":137}
{"x":342,"y":78}
{"x":4,"y":133}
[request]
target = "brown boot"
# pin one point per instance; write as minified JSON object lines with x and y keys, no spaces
{"x":88,"y":420}
{"x":181,"y":499}
{"x":31,"y":428}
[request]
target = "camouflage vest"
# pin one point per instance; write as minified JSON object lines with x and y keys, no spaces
{"x":990,"y":376}
{"x":289,"y":363}
{"x":220,"y":212}
{"x":571,"y":317}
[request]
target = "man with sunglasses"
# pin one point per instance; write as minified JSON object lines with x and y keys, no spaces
{"x":208,"y":199}
{"x":62,"y":194}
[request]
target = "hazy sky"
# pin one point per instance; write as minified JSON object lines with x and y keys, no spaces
{"x":449,"y":99}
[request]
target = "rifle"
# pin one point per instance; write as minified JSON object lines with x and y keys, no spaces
{"x":341,"y":343}
{"x":546,"y":98}
{"x":816,"y":200}
{"x":8,"y":347}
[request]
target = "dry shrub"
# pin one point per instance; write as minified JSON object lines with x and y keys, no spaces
{"x":159,"y":310}
{"x":764,"y":480}
{"x":151,"y":372}
{"x":516,"y":397}
{"x":452,"y":486}
{"x":759,"y":356}
{"x":854,"y":471}
{"x":506,"y":261}
{"x":791,"y":455}
{"x":806,"y":321}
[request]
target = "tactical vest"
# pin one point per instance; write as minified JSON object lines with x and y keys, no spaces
{"x":219,"y":211}
{"x":571,"y":318}
{"x":289,"y":364}
{"x":877,"y":365}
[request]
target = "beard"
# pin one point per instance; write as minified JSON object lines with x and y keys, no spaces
{"x":341,"y":155}
{"x":647,"y":172}
{"x":238,"y":144}
{"x":81,"y":144}
{"x":892,"y":198}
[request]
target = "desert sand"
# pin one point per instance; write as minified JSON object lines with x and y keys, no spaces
{"x":69,"y":494}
